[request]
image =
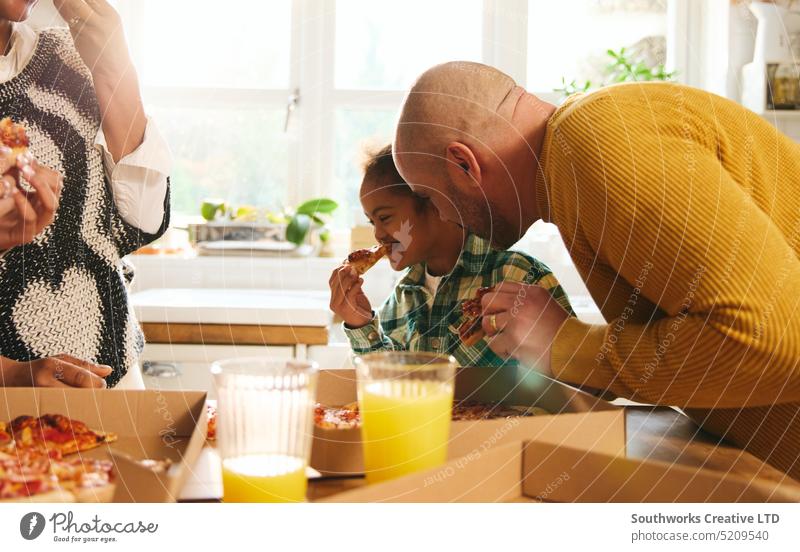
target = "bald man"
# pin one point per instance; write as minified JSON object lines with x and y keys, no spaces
{"x":681,"y":212}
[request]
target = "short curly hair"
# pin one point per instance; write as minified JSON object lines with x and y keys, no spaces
{"x":380,"y":173}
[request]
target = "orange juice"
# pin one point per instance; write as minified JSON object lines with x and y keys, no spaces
{"x":405,"y":426}
{"x":264,"y":478}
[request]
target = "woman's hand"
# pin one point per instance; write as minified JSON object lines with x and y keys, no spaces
{"x":23,"y":215}
{"x":55,"y":371}
{"x":97,"y":31}
{"x":347,"y":297}
{"x":98,"y":35}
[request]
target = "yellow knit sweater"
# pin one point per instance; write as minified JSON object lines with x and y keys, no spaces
{"x":681,"y":211}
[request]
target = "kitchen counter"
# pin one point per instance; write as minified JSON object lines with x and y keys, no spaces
{"x":233,"y":316}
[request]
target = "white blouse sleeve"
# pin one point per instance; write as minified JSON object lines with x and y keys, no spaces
{"x":139,"y":180}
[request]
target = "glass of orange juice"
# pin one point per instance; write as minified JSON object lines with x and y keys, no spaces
{"x":265,"y":416}
{"x":406,"y":402}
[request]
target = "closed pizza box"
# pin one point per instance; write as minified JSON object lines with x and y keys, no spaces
{"x":576,"y":418}
{"x":151,"y":425}
{"x":536,"y":471}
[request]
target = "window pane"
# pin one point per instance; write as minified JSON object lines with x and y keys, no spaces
{"x":245,"y":166}
{"x":238,"y":43}
{"x":384,"y":44}
{"x":569,"y":38}
{"x":355,"y":131}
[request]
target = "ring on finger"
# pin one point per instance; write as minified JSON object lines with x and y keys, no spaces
{"x":493,"y":322}
{"x":74,"y":21}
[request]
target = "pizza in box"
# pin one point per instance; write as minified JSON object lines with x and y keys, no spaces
{"x":41,"y":459}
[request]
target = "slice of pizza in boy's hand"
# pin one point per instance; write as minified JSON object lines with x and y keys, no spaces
{"x":13,"y":137}
{"x":364,"y":259}
{"x":470,"y":329}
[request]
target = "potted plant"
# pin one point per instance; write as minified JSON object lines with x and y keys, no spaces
{"x":623,"y":67}
{"x":313,"y":214}
{"x":303,"y":231}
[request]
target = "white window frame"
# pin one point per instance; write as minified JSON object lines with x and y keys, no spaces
{"x":311,"y":151}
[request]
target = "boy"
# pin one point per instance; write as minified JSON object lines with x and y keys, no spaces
{"x":444,"y":266}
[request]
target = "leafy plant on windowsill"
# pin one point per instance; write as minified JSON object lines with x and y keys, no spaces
{"x":311,"y":214}
{"x":213,"y":210}
{"x":315,"y":211}
{"x":622,"y":68}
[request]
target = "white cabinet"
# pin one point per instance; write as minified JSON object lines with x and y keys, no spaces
{"x":189,"y":366}
{"x":332,"y":356}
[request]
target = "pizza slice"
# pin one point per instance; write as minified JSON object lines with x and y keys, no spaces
{"x":211,"y":432}
{"x":56,"y":432}
{"x":24,"y":474}
{"x":342,"y":417}
{"x":471,"y":411}
{"x":89,"y":479}
{"x":364,"y":259}
{"x":13,"y":135}
{"x":6,"y":439}
{"x":470,"y":330}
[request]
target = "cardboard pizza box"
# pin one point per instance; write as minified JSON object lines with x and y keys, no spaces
{"x":534,"y":471}
{"x":576,"y":418}
{"x":150,"y":425}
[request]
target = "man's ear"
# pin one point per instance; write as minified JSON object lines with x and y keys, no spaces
{"x":462,"y":166}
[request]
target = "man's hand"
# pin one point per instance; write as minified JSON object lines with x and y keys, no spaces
{"x":55,"y":371}
{"x":523,"y":321}
{"x":347,"y":297}
{"x":31,"y":212}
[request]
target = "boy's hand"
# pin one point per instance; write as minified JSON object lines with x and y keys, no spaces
{"x":347,"y":297}
{"x":55,"y":371}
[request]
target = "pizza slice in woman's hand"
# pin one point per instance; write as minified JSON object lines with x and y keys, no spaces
{"x":364,"y":259}
{"x":13,"y":137}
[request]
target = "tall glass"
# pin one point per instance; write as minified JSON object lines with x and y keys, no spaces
{"x":406,"y":402}
{"x":265,"y":410}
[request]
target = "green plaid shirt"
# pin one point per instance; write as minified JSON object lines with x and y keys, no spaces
{"x":406,"y":323}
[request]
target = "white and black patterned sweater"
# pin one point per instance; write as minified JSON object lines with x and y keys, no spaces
{"x":66,"y":291}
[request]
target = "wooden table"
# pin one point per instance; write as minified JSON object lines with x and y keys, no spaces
{"x":656,"y":433}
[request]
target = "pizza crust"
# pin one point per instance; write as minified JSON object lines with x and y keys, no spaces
{"x":364,"y":259}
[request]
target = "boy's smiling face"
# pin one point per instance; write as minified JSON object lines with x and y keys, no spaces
{"x":399,"y":219}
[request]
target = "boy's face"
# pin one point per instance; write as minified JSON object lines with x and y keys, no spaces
{"x":398,"y":220}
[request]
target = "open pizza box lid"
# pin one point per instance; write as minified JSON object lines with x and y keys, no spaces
{"x":577,"y":418}
{"x":534,"y":471}
{"x":154,"y":425}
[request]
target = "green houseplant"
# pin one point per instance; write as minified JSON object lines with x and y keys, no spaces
{"x":315,"y":211}
{"x":245,"y":222}
{"x":622,"y":68}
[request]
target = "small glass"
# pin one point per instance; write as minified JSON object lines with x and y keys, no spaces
{"x":406,"y":403}
{"x":265,"y":423}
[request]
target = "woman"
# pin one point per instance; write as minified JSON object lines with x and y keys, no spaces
{"x":444,"y":266}
{"x":65,"y":318}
